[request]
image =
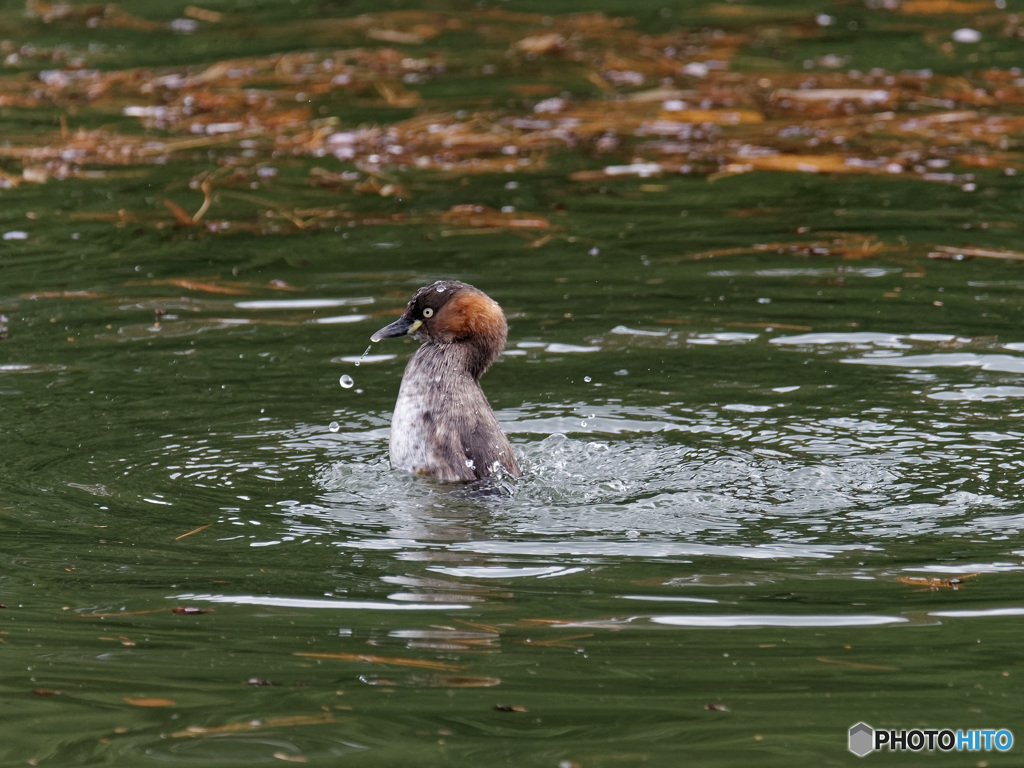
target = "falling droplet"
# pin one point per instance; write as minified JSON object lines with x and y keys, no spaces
{"x":587,"y":379}
{"x":334,"y":426}
{"x":346,"y":381}
{"x":365,"y":353}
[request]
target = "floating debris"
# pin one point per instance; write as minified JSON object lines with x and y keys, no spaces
{"x":509,"y":708}
{"x":150,"y":702}
{"x":286,"y":721}
{"x":934,"y":584}
{"x":192,"y":532}
{"x":643,"y":105}
{"x":371,"y":658}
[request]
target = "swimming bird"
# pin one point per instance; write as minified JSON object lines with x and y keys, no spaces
{"x":443,"y":427}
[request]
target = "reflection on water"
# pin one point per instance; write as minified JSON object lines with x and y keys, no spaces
{"x":762,"y":620}
{"x":295,"y":602}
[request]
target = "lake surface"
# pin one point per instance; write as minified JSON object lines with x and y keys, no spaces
{"x":767,"y":385}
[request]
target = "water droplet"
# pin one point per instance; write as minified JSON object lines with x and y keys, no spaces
{"x":346,"y":381}
{"x":365,"y":353}
{"x":470,"y":464}
{"x":587,"y":379}
{"x":583,"y":423}
{"x":334,"y":426}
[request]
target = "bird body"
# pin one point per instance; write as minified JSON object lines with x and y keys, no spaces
{"x":443,"y":427}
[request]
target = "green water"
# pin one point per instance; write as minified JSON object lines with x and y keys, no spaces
{"x":746,"y":432}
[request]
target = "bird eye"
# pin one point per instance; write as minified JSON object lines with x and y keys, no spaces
{"x":428,"y":312}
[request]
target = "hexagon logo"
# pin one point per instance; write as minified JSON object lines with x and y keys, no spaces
{"x":862,"y":739}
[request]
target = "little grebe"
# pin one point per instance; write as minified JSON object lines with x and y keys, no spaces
{"x":443,"y":427}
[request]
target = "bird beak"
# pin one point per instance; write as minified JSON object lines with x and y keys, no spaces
{"x":403,"y":326}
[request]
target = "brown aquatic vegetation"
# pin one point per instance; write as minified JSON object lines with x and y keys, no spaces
{"x":150,"y":702}
{"x":371,"y":658}
{"x":93,"y":15}
{"x":952,"y":253}
{"x":636,"y":105}
{"x":934,"y":584}
{"x":185,"y":610}
{"x":856,"y":664}
{"x":482,"y":217}
{"x":943,"y":6}
{"x":287,"y":721}
{"x":192,"y":532}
